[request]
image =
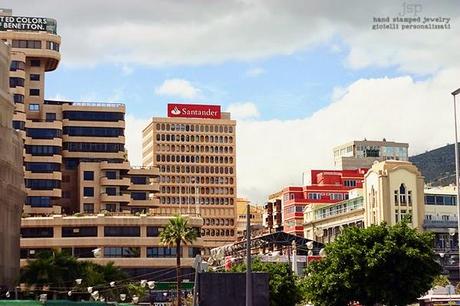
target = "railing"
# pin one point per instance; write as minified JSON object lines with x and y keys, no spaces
{"x":142,"y":167}
{"x":440,"y":223}
{"x":334,"y":210}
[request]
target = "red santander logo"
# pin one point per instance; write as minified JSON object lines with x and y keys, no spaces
{"x":194,"y":111}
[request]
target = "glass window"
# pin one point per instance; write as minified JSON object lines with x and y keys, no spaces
{"x":34,"y":77}
{"x":122,"y":252}
{"x":37,"y":232}
{"x":88,"y":175}
{"x":79,"y":231}
{"x":139,"y":180}
{"x":430,"y":199}
{"x":50,"y":117}
{"x":15,"y":82}
{"x":34,"y":107}
{"x":154,"y":231}
{"x":122,"y":231}
{"x":35,"y":63}
{"x":112,"y":175}
{"x":138,"y":196}
{"x":39,"y":201}
{"x":111,"y":191}
{"x":93,"y":116}
{"x":88,"y":191}
{"x":43,"y":133}
{"x":18,"y":98}
{"x":34,"y":92}
{"x":37,"y":184}
{"x":42,"y":167}
{"x":88,"y":208}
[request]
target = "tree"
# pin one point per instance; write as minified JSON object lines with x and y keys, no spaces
{"x":285,"y":290}
{"x":391,"y":265}
{"x":175,"y":233}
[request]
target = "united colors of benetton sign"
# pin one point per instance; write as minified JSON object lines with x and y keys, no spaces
{"x":194,"y":111}
{"x":21,"y":23}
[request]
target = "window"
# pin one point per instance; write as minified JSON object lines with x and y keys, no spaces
{"x":111,"y":175}
{"x":314,"y":196}
{"x":19,"y":125}
{"x":88,"y":175}
{"x":43,"y":133}
{"x":88,"y":208}
{"x":15,"y":82}
{"x":138,"y":196}
{"x":111,"y":191}
{"x":52,"y":45}
{"x":50,"y":117}
{"x":81,"y":231}
{"x":42,"y":167}
{"x":35,"y":63}
{"x":39,"y":150}
{"x":34,"y":77}
{"x":93,"y":131}
{"x":111,"y":207}
{"x":39,"y":201}
{"x":93,"y":147}
{"x":93,"y":116}
{"x":37,"y":184}
{"x":122,"y":252}
{"x":88,"y":191}
{"x":122,"y":231}
{"x":30,"y":44}
{"x":34,"y":107}
{"x":139,"y":180}
{"x":349,"y":183}
{"x":17,"y":65}
{"x":34,"y":92}
{"x":37,"y":232}
{"x":18,"y":98}
{"x":161,"y":252}
{"x":154,"y":231}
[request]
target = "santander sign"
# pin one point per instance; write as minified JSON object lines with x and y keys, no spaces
{"x":194,"y":111}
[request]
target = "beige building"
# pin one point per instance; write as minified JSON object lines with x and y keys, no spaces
{"x":392,"y":191}
{"x":272,"y":217}
{"x":256,"y":213}
{"x":363,"y":153}
{"x":75,"y":162}
{"x":11,"y":180}
{"x":196,"y":158}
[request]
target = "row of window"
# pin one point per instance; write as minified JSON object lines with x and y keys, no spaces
{"x":198,"y":149}
{"x":40,"y":150}
{"x":293,"y":209}
{"x":18,"y":98}
{"x":35,"y":201}
{"x":37,"y":133}
{"x":42,"y":167}
{"x":93,"y":131}
{"x":93,"y":147}
{"x":331,"y":196}
{"x":34,"y":44}
{"x":19,"y":125}
{"x":196,"y":169}
{"x":450,"y":200}
{"x":191,"y":200}
{"x":211,"y":221}
{"x":194,"y":128}
{"x":196,"y":179}
{"x":17,"y":65}
{"x":194,"y":159}
{"x":93,"y":116}
{"x":16,"y":82}
{"x":194,"y":138}
{"x":37,"y":184}
{"x":200,"y":190}
{"x":91,"y":231}
{"x":217,"y":232}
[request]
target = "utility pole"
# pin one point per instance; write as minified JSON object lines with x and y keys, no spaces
{"x":197,"y":266}
{"x":248,"y":257}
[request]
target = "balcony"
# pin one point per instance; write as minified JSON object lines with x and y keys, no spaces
{"x":154,"y":187}
{"x":121,"y":197}
{"x":114,"y":166}
{"x":115,"y":182}
{"x":144,"y":171}
{"x":148,"y":202}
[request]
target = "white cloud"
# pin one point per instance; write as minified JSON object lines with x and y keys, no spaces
{"x":273,"y":154}
{"x":244,"y":110}
{"x":255,"y":72}
{"x":133,"y":132}
{"x":178,"y":88}
{"x":202,"y":32}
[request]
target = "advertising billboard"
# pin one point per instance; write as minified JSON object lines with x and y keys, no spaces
{"x":21,"y":23}
{"x":194,"y":111}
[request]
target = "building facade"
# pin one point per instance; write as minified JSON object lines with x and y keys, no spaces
{"x":325,"y":187}
{"x":363,"y":153}
{"x":195,"y":151}
{"x":12,"y":193}
{"x":256,"y":213}
{"x":75,"y":162}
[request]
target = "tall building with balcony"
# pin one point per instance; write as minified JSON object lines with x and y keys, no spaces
{"x":12,"y":191}
{"x":75,"y":162}
{"x":194,"y":148}
{"x":363,"y":153}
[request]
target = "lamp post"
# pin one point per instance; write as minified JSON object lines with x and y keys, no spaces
{"x":454,"y":94}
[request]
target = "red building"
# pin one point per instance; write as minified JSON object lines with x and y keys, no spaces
{"x":327,"y":187}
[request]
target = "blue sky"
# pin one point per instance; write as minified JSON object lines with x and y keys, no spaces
{"x":282,"y":87}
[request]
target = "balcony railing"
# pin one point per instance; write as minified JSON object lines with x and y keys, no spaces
{"x":440,"y":223}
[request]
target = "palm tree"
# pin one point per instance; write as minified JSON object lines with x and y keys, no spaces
{"x":176,"y":232}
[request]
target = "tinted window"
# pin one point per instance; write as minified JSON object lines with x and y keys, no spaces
{"x":88,"y":191}
{"x":34,"y":92}
{"x":14,"y":82}
{"x":88,"y":175}
{"x":93,"y":147}
{"x":35,"y":63}
{"x":153,"y":231}
{"x":138,"y":196}
{"x":42,"y":167}
{"x":42,"y":150}
{"x":43,"y":133}
{"x":122,"y":231}
{"x":121,"y":252}
{"x":18,"y":98}
{"x":93,"y":131}
{"x":35,"y":77}
{"x":82,"y":231}
{"x":93,"y":116}
{"x":142,"y":180}
{"x":39,"y":201}
{"x":19,"y":125}
{"x":36,"y":232}
{"x":37,"y":184}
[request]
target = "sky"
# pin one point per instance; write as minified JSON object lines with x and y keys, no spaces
{"x":300,"y":77}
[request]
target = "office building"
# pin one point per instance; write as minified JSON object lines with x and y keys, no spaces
{"x":363,"y":153}
{"x":12,"y":193}
{"x":195,"y":150}
{"x":75,"y":160}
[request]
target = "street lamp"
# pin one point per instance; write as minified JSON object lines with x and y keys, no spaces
{"x":454,"y":94}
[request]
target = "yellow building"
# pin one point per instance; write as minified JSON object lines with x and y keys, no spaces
{"x":256,"y":213}
{"x":12,"y":193}
{"x":195,"y":151}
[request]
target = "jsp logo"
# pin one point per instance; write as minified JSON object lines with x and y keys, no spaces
{"x":410,"y":9}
